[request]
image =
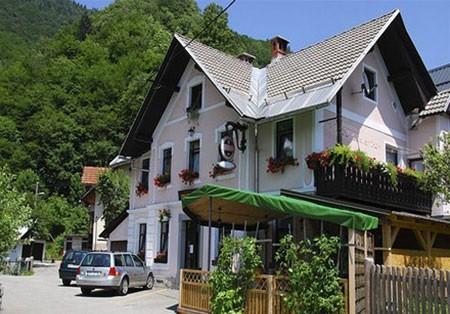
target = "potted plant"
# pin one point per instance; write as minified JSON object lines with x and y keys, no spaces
{"x":164,"y":214}
{"x":188,"y":176}
{"x":275,"y":165}
{"x":192,"y":113}
{"x":217,"y":171}
{"x":161,"y":180}
{"x":141,"y":189}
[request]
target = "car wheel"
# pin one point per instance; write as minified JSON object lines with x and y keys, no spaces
{"x":86,"y":291}
{"x":123,"y":289}
{"x":150,"y":282}
{"x":66,"y":282}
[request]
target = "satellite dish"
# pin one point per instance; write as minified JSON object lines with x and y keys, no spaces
{"x":226,"y":165}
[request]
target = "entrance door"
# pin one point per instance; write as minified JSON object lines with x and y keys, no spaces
{"x":191,"y":251}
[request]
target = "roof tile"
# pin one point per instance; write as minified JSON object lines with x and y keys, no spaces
{"x":91,"y":174}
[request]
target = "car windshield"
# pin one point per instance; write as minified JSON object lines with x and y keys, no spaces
{"x":74,"y":257}
{"x":96,"y":260}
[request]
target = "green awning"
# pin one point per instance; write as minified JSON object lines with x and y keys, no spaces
{"x":232,"y":206}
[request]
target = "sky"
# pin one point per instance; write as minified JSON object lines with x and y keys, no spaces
{"x":307,"y":22}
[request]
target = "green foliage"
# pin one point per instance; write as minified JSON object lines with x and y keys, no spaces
{"x":312,"y":275}
{"x":114,"y":190}
{"x":229,"y":287}
{"x":436,"y":177}
{"x":14,"y":212}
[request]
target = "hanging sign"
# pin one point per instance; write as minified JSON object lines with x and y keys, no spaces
{"x":227,"y":148}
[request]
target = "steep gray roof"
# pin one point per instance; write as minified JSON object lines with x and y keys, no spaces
{"x":441,"y":77}
{"x":326,"y":60}
{"x":308,"y":78}
{"x":438,"y":104}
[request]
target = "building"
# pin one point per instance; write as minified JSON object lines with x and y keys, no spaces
{"x":215,"y":118}
{"x":96,"y":221}
{"x":27,"y":246}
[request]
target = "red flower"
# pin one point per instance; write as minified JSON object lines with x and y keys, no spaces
{"x":280,"y":164}
{"x":188,"y":176}
{"x":161,"y":180}
{"x":141,"y":190}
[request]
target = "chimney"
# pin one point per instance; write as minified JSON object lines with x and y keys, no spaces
{"x":279,"y":46}
{"x":246,"y":57}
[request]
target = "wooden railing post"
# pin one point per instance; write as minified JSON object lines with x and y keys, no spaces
{"x":270,"y":292}
{"x":181,"y":287}
{"x":351,"y":271}
{"x":368,"y":264}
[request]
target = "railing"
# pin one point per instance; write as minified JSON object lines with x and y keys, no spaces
{"x":372,"y":188}
{"x":264,"y":298}
{"x":408,"y":290}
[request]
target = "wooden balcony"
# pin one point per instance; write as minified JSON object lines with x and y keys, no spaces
{"x":372,"y":188}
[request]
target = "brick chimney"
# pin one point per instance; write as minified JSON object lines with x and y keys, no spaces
{"x":279,"y":46}
{"x":246,"y":57}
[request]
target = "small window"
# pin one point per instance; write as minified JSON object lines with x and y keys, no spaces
{"x":142,"y":240}
{"x":194,"y":156}
{"x":137,"y":261}
{"x":195,"y":102}
{"x":284,"y":139}
{"x":145,"y":172}
{"x":118,"y":260}
{"x":416,"y":164}
{"x":167,"y":161}
{"x":391,"y":155}
{"x":128,"y":260}
{"x":370,"y":81}
{"x":164,"y":241}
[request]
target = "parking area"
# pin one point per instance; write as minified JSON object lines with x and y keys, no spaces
{"x":43,"y":292}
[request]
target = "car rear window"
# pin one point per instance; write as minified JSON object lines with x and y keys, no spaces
{"x":74,"y":257}
{"x":97,"y":260}
{"x":118,"y":260}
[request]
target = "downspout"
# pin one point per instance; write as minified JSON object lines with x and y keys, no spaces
{"x":256,"y":159}
{"x":339,"y":117}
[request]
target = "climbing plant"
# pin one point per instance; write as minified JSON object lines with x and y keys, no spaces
{"x":313,"y":281}
{"x":235,"y":273}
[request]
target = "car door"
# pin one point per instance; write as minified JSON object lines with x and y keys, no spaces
{"x":139,"y":269}
{"x":129,"y":266}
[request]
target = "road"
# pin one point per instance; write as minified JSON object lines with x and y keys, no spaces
{"x":43,"y":292}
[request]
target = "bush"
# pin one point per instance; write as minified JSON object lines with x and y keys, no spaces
{"x":313,"y":281}
{"x":234,"y":275}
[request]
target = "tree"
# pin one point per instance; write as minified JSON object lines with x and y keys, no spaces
{"x":437,"y":168}
{"x":114,"y":190}
{"x":14,"y":212}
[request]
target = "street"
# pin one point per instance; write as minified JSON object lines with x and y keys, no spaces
{"x":43,"y":292}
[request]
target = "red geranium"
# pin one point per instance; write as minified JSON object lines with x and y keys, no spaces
{"x":141,"y":190}
{"x":279,"y":164}
{"x":188,"y":176}
{"x":161,"y":180}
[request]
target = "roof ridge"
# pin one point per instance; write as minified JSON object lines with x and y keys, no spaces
{"x":440,"y":67}
{"x":209,"y":47}
{"x":341,"y":33}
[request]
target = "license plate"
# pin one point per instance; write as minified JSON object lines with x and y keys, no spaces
{"x":72,"y":266}
{"x":93,"y":273}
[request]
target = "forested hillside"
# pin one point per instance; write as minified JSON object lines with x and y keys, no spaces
{"x":70,"y":102}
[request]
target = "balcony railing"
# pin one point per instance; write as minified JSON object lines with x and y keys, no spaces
{"x":372,"y":188}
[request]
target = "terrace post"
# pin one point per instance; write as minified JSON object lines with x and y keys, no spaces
{"x":351,"y":271}
{"x":339,"y":117}
{"x":209,"y":232}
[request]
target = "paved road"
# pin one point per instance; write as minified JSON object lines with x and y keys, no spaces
{"x":44,"y":293}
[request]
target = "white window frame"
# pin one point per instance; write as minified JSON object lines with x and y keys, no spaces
{"x":274,"y":136}
{"x":187,"y":141}
{"x":399,"y":154}
{"x":196,"y":80}
{"x":375,"y":72}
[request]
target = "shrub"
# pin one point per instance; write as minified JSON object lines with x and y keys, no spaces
{"x":313,"y":281}
{"x":230,"y":281}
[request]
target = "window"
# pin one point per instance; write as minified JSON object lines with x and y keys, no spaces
{"x":416,"y":164}
{"x":142,"y":240}
{"x":167,"y":162}
{"x":145,"y":172}
{"x":194,"y":156}
{"x":118,"y":260}
{"x":96,"y":260}
{"x":137,"y":261}
{"x":391,"y":155}
{"x":128,"y":260}
{"x":195,"y":101}
{"x":284,"y":139}
{"x":370,"y":81}
{"x":163,"y":242}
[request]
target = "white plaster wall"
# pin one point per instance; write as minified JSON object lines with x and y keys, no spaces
{"x":15,"y":253}
{"x":120,"y":233}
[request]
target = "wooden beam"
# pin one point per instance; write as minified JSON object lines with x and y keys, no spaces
{"x":351,"y":271}
{"x":387,"y":243}
{"x":421,"y":239}
{"x":395,"y":231}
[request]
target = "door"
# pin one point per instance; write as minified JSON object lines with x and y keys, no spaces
{"x":119,"y":246}
{"x":139,"y":270}
{"x":192,"y":244}
{"x":129,"y":266}
{"x":37,"y":250}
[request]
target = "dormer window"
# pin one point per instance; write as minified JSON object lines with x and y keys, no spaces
{"x":195,"y":99}
{"x":370,"y":84}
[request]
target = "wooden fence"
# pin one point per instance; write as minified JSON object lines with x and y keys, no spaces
{"x":264,"y":298}
{"x":407,"y":290}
